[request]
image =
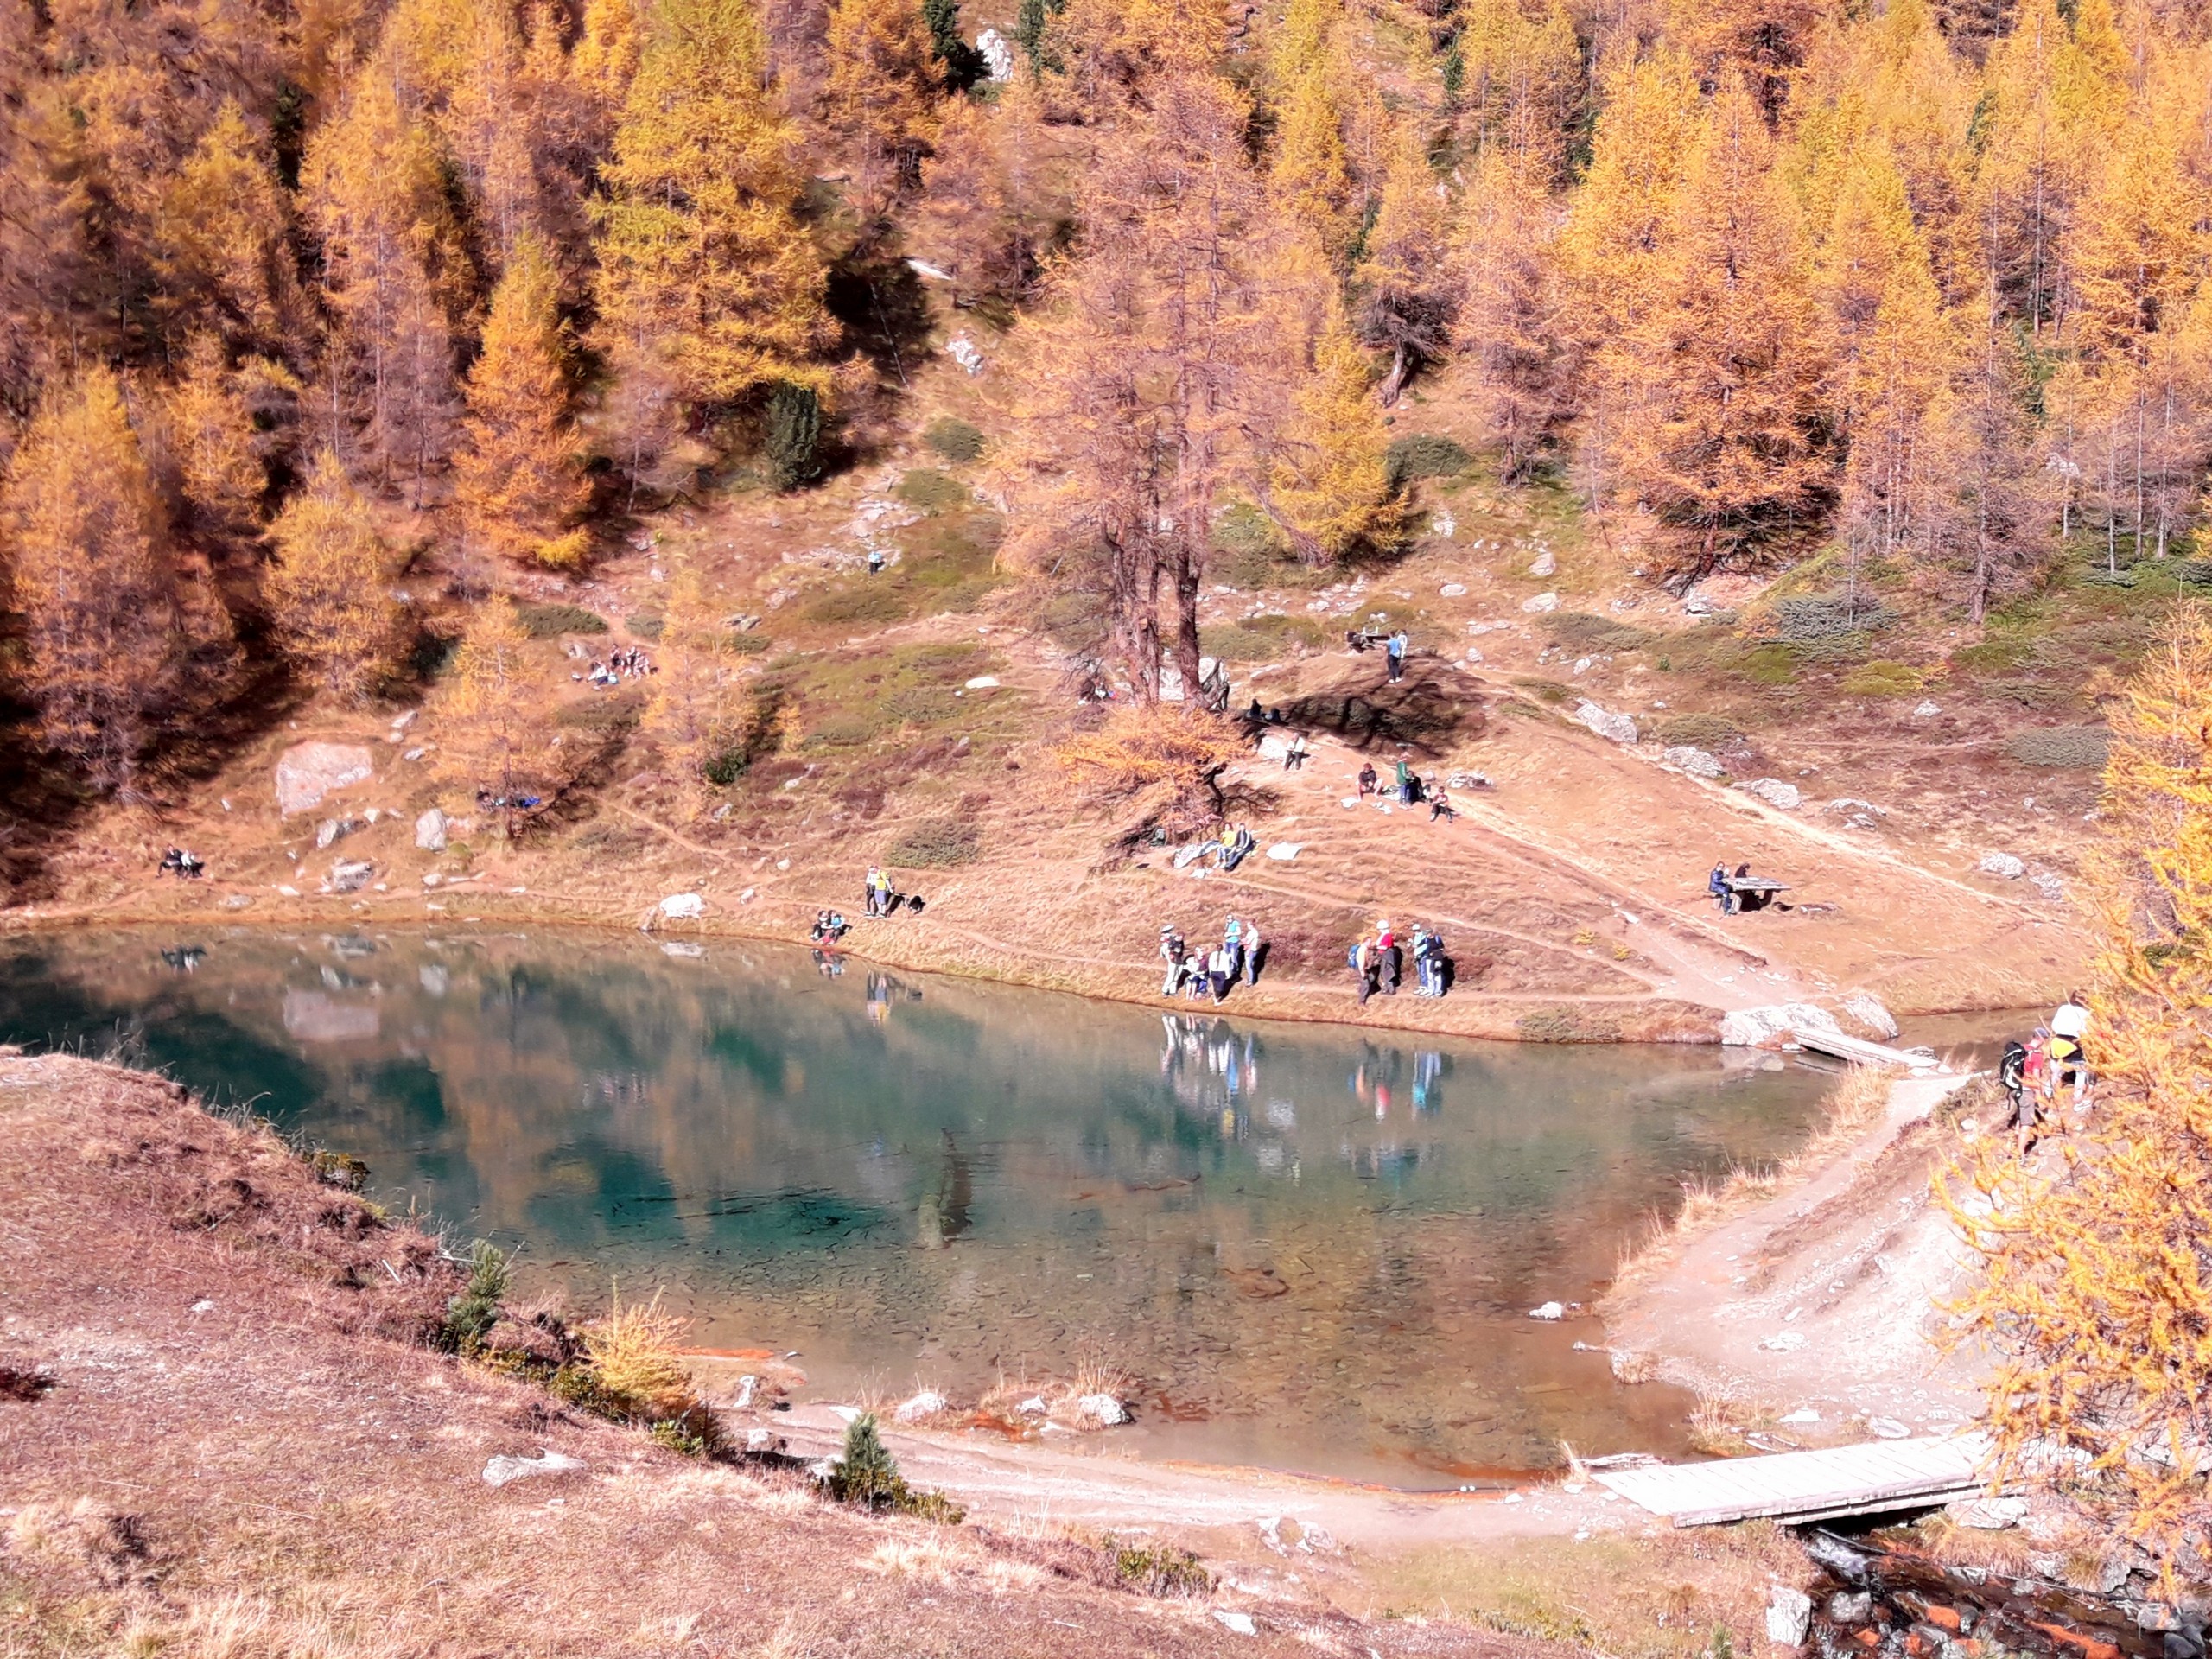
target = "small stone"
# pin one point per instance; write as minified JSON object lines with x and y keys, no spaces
{"x":2002,"y":865}
{"x":1803,"y":1417}
{"x":1851,"y":1606}
{"x":982,"y":682}
{"x":1619,"y":729}
{"x":928,"y":1403}
{"x":203,"y":1306}
{"x":308,"y":771}
{"x":1548,"y":1310}
{"x":1103,"y":1409}
{"x":1988,"y":1514}
{"x":1240,"y":1622}
{"x":1541,"y":603}
{"x":431,"y":831}
{"x":1696,"y":762}
{"x":1788,"y":1612}
{"x":761,"y":1440}
{"x":1774,"y":792}
{"x":500,"y":1470}
{"x":351,"y":877}
{"x":1868,"y":1009}
{"x":1452,"y":589}
{"x":1926,"y":711}
{"x":1473,"y":655}
{"x":1283,"y":851}
{"x":2048,"y":885}
{"x":1785,"y":1342}
{"x":1442,"y":524}
{"x":1543,"y":564}
{"x":1032,"y":1407}
{"x":1888,"y":1428}
{"x":284,"y":890}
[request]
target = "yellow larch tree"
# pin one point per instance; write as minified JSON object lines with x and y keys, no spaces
{"x":492,"y":714}
{"x":328,"y":586}
{"x":2095,"y":1292}
{"x":881,"y":97}
{"x":698,"y":709}
{"x":1727,"y":456}
{"x":1508,"y":324}
{"x":220,"y":234}
{"x":1522,"y":84}
{"x":704,"y":262}
{"x":518,"y":485}
{"x":1404,"y":281}
{"x":1331,"y":486}
{"x":1310,"y":175}
{"x":213,"y":438}
{"x":94,"y":581}
{"x":606,"y":56}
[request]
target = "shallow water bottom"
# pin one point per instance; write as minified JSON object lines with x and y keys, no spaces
{"x":1304,"y":1247}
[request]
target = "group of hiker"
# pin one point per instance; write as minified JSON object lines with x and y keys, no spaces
{"x":1411,"y":789}
{"x":629,"y":663}
{"x":2032,"y":1073}
{"x":1394,"y":646}
{"x":829,"y":927}
{"x":1379,"y":964}
{"x":884,"y":899}
{"x":1211,"y":971}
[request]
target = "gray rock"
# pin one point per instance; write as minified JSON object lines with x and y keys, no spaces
{"x":351,"y":876}
{"x":1541,"y":603}
{"x":1768,"y":1027}
{"x":1866,"y":1008}
{"x":1774,"y":792}
{"x":1788,"y":1613}
{"x":308,"y":771}
{"x":1851,"y":1606}
{"x":431,"y":831}
{"x":501,"y":1471}
{"x":2003,"y":865}
{"x":1988,"y":1514}
{"x":2049,"y":885}
{"x":928,"y":1403}
{"x":1619,"y":729}
{"x":334,"y":830}
{"x":1103,"y":1409}
{"x":1544,"y":564}
{"x":1696,"y":762}
{"x":1926,"y":711}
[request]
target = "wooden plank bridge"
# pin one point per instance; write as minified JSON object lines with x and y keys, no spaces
{"x":1794,"y":1486}
{"x":1861,"y":1052}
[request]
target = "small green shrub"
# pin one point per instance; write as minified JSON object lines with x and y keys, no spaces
{"x":1771,"y":664}
{"x":867,"y":1476}
{"x":1549,"y":691}
{"x":747,"y":645}
{"x":791,"y":441}
{"x":1827,"y":621}
{"x":2060,"y":746}
{"x":935,"y":844}
{"x":932,"y":491}
{"x":921,"y":705}
{"x":875,"y":600}
{"x":551,"y":621}
{"x":955,"y":439}
{"x":471,"y":1314}
{"x":1159,"y":1569}
{"x":338,"y":1169}
{"x":1423,"y":454}
{"x":1579,"y":632}
{"x":646,"y":624}
{"x":1885,"y":680}
{"x":1698,"y":731}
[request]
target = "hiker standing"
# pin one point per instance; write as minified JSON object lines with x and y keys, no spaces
{"x":871,"y":891}
{"x":1171,"y":952}
{"x":1362,"y":961}
{"x":1388,"y":960}
{"x":1405,"y":783}
{"x":1253,"y":945}
{"x":1232,"y":940}
{"x":2069,"y":1026}
{"x":2012,"y":1076}
{"x":1395,"y":654}
{"x":1220,"y":972}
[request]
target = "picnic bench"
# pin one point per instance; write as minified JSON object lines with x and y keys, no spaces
{"x":1752,"y":892}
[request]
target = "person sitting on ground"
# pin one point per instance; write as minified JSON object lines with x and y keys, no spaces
{"x":1439,"y":804}
{"x":1294,"y":757}
{"x":1235,"y":842}
{"x":1255,"y":716}
{"x":1367,"y":779}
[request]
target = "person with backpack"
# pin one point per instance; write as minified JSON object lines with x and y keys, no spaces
{"x":1361,"y":959}
{"x":2013,"y":1078}
{"x":2070,"y":1026}
{"x":1174,"y":953}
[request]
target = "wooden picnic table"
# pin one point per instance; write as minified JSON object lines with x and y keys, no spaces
{"x":1753,"y":891}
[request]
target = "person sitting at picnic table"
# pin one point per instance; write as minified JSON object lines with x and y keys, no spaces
{"x":1717,"y":884}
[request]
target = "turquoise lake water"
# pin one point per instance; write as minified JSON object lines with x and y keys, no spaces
{"x":1309,"y":1247}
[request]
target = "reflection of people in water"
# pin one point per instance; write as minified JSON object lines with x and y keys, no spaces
{"x":1428,"y":1070}
{"x":945,"y":1212}
{"x":828,"y":964}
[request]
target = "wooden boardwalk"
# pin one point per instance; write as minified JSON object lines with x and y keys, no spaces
{"x":1861,"y":1052}
{"x":1809,"y":1485}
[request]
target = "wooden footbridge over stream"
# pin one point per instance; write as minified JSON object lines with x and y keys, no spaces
{"x":1824,"y":1486}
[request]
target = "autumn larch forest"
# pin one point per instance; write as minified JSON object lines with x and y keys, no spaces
{"x":310,"y":307}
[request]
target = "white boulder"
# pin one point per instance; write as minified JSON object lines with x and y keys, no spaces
{"x":1544,"y":564}
{"x":1866,"y":1008}
{"x":351,"y":875}
{"x":1774,"y":792}
{"x":2003,"y":865}
{"x":1775,"y":1023}
{"x":1548,"y":1310}
{"x":1620,"y":729}
{"x":1789,"y":1612}
{"x":1442,"y":524}
{"x":998,"y":55}
{"x":2049,"y":885}
{"x":1283,"y":851}
{"x":308,"y":771}
{"x":431,"y":831}
{"x":1696,"y":762}
{"x":1927,"y":710}
{"x":1103,"y":1409}
{"x":684,"y":906}
{"x":1539,"y":604}
{"x":928,"y":1403}
{"x":500,"y":1471}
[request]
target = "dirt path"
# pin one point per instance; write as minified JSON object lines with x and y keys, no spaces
{"x":1824,"y":1297}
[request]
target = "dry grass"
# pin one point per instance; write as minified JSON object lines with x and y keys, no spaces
{"x":1661,"y":1597}
{"x":932,"y":1560}
{"x":1853,"y":1106}
{"x":1063,"y":1398}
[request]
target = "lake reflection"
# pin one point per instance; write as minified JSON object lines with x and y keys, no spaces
{"x":1311,"y":1246}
